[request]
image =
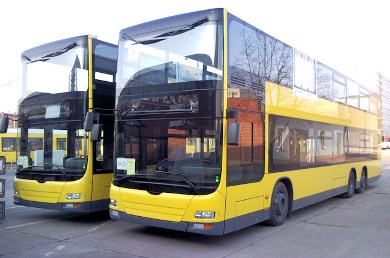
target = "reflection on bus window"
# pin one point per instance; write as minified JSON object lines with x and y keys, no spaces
{"x":312,"y":144}
{"x":8,"y":144}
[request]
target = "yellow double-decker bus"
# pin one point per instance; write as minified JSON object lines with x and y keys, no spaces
{"x":60,"y":165}
{"x":275,"y":130}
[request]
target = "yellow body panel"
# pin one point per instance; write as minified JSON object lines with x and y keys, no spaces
{"x":240,"y":196}
{"x":82,"y":186}
{"x":140,"y":203}
{"x":248,"y":198}
{"x":166,"y":206}
{"x":101,"y":186}
{"x":212,"y":202}
{"x":56,"y":192}
{"x":28,"y":190}
{"x":52,"y":192}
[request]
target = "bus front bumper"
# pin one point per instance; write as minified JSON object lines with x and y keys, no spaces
{"x":81,"y":207}
{"x":198,"y":228}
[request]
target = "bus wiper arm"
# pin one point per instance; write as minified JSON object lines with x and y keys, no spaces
{"x":61,"y":170}
{"x":123,"y":178}
{"x":24,"y":170}
{"x":183,"y":178}
{"x":53,"y":54}
{"x":29,"y":169}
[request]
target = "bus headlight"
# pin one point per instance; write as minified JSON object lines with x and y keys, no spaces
{"x":205,"y":214}
{"x":112,"y":202}
{"x":73,"y":196}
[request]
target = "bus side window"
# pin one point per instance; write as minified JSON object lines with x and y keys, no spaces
{"x":246,"y":160}
{"x":104,"y":160}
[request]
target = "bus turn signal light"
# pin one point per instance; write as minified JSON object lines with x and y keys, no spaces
{"x":206,"y":226}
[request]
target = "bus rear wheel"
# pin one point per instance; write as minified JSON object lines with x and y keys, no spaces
{"x":363,"y":183}
{"x":279,"y":205}
{"x":351,"y":186}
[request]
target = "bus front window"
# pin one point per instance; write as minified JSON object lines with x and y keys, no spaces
{"x":53,"y":145}
{"x":44,"y":150}
{"x":169,"y":122}
{"x":169,"y":151}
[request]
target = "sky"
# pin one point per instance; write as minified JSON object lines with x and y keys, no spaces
{"x":350,"y":36}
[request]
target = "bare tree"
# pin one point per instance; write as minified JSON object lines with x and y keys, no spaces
{"x":262,"y":58}
{"x":324,"y":84}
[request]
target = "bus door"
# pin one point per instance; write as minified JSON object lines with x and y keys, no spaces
{"x":103,"y":168}
{"x":245,"y":169}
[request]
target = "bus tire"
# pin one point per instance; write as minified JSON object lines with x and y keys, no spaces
{"x":362,"y":183}
{"x":279,"y":205}
{"x":351,"y":186}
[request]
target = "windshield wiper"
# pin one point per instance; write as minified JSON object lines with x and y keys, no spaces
{"x":53,"y":54}
{"x":123,"y":178}
{"x":183,"y":178}
{"x":184,"y":29}
{"x":62,"y":171}
{"x":24,"y":170}
{"x":29,"y":169}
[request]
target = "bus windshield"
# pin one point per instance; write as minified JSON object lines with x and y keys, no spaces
{"x":52,"y":152}
{"x":53,"y":145}
{"x":169,"y":125}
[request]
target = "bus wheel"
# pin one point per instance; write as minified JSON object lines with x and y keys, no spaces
{"x":351,"y":186}
{"x":363,"y":183}
{"x":279,"y":205}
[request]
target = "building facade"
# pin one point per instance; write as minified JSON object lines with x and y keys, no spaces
{"x":384,"y":84}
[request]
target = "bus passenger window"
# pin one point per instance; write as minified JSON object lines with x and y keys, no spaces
{"x":8,"y":144}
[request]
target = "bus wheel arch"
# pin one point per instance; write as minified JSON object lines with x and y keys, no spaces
{"x":363,"y":181}
{"x":281,"y":202}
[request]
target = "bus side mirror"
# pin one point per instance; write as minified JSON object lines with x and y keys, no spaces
{"x":4,"y":124}
{"x":233,"y":134}
{"x":96,"y":132}
{"x":2,"y":166}
{"x":88,"y":122}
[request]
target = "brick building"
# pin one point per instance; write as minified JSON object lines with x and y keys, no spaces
{"x":384,"y":86}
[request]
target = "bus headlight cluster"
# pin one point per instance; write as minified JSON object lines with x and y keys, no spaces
{"x":205,"y":214}
{"x":112,"y":202}
{"x":73,"y":196}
